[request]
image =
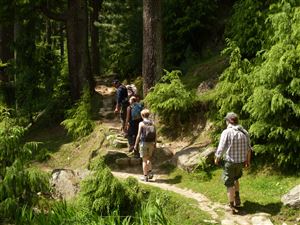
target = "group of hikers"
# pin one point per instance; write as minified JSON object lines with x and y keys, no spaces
{"x":234,"y":145}
{"x":136,"y":125}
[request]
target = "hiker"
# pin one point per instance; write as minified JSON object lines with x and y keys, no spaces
{"x":235,"y":145}
{"x":131,"y":90}
{"x":133,"y":119}
{"x":121,"y":101}
{"x":146,"y":137}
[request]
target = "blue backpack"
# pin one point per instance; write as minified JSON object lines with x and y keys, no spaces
{"x":136,"y":109}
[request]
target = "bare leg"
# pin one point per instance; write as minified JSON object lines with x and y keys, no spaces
{"x":145,"y":165}
{"x":230,"y":194}
{"x":237,"y":185}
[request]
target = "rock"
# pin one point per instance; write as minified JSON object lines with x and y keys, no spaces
{"x":292,"y":198}
{"x":227,"y":222}
{"x":135,"y":161}
{"x":120,"y":143}
{"x":188,"y":158}
{"x":261,"y":219}
{"x":65,"y":182}
{"x":208,"y":155}
{"x":123,"y":162}
{"x":205,"y":86}
{"x":161,"y":154}
{"x":111,"y":157}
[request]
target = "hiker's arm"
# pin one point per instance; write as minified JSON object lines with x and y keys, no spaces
{"x":221,"y":148}
{"x":118,"y":100}
{"x":127,"y":118}
{"x":248,"y":160}
{"x":137,"y":140}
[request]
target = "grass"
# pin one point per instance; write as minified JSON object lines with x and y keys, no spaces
{"x":210,"y":69}
{"x":177,"y":209}
{"x":260,"y":190}
{"x":64,"y":151}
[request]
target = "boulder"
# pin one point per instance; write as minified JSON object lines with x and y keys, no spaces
{"x":261,"y":218}
{"x":161,"y":154}
{"x":123,"y":162}
{"x":292,"y":198}
{"x":208,"y":155}
{"x":65,"y":182}
{"x":189,"y":157}
{"x":111,"y":157}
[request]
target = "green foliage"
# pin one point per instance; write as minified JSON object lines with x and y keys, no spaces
{"x":265,"y":92}
{"x":103,"y":193}
{"x":171,"y":101}
{"x":121,"y":37}
{"x":247,"y":26}
{"x":188,"y":26}
{"x":63,"y":213}
{"x":78,"y":122}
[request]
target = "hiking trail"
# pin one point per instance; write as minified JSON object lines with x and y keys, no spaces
{"x":220,"y":213}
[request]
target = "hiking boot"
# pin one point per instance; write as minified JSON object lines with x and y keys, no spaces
{"x":144,"y":178}
{"x":237,"y":199}
{"x":131,"y":148}
{"x":233,"y":210}
{"x":150,"y":175}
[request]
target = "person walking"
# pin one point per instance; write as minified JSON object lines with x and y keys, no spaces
{"x":146,"y":137}
{"x":121,"y":101}
{"x":133,"y":119}
{"x":235,"y":145}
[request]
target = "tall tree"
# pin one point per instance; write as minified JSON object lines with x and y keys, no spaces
{"x":152,"y":43}
{"x":95,"y":54}
{"x":76,"y":19}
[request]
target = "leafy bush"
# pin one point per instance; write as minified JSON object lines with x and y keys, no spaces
{"x":247,"y":26}
{"x":78,"y":122}
{"x":103,"y":193}
{"x":266,"y":92}
{"x":171,"y":101}
{"x":18,"y":185}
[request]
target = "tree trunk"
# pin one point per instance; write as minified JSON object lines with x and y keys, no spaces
{"x":152,"y":43}
{"x":6,"y":39}
{"x":77,"y":42}
{"x":95,"y":55}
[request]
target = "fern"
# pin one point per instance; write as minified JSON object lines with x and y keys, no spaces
{"x":171,"y":101}
{"x":265,"y":91}
{"x":78,"y":122}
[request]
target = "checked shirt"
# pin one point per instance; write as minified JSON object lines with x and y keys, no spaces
{"x":234,"y":143}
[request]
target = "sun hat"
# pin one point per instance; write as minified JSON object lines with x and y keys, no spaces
{"x":232,"y":117}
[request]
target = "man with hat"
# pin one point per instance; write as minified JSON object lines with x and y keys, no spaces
{"x":235,"y":146}
{"x":121,"y":101}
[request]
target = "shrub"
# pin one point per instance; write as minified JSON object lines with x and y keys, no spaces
{"x":78,"y":122}
{"x":103,"y":193}
{"x":171,"y":101}
{"x":266,"y":92}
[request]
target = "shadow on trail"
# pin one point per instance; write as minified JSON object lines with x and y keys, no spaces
{"x":177,"y":179}
{"x":254,"y":207}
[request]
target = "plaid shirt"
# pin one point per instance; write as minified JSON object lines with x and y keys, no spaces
{"x":235,"y":143}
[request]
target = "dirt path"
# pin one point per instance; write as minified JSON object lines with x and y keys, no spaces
{"x":219,"y":213}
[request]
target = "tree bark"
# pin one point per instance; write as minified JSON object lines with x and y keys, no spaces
{"x":6,"y":39}
{"x":95,"y":54}
{"x":77,"y":43}
{"x":152,"y":43}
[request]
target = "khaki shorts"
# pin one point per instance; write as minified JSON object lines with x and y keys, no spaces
{"x":146,"y":149}
{"x":231,"y":173}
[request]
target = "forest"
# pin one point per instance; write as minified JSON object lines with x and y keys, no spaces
{"x":54,"y":55}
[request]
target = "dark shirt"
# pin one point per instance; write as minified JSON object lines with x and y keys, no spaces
{"x":122,"y":96}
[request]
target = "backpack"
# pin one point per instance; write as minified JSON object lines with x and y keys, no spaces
{"x":148,"y":132}
{"x":136,"y":109}
{"x":131,"y":90}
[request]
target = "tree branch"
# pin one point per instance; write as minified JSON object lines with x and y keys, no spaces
{"x":52,"y":15}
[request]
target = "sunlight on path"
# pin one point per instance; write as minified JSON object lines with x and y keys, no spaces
{"x":217,"y":211}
